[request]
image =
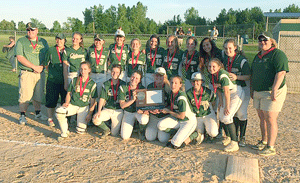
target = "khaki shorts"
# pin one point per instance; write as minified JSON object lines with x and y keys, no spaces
{"x":31,"y":86}
{"x":262,"y":100}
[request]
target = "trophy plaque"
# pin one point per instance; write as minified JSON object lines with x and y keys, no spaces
{"x":150,"y":99}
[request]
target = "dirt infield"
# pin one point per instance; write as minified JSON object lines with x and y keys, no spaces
{"x":32,"y":153}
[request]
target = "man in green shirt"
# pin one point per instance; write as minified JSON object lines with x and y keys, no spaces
{"x":30,"y":51}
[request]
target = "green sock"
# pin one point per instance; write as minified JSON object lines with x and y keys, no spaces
{"x":103,"y":126}
{"x":193,"y":136}
{"x":232,"y":132}
{"x":171,"y":131}
{"x":142,"y":128}
{"x":243,"y":126}
{"x":237,"y":123}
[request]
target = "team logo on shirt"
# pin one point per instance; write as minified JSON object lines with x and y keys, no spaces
{"x":109,"y":92}
{"x":76,"y":56}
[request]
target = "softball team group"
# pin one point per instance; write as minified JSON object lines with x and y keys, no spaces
{"x":99,"y":85}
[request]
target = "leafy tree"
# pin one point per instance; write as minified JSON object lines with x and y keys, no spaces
{"x":6,"y":25}
{"x":191,"y":17}
{"x":56,"y":27}
{"x":88,"y":16}
{"x":38,"y":23}
{"x":21,"y":26}
{"x":292,"y":9}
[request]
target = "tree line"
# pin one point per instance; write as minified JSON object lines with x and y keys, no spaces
{"x":133,"y":20}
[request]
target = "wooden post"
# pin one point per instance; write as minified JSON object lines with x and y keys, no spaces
{"x":223,"y":31}
{"x":267,"y":24}
{"x":16,"y":60}
{"x":253,"y":34}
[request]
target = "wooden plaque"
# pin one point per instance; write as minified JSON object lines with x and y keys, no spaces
{"x":150,"y":99}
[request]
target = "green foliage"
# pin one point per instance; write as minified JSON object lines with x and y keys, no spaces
{"x":292,"y":9}
{"x":6,"y":25}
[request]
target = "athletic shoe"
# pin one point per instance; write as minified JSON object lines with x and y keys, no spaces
{"x":219,"y":136}
{"x":225,"y":141}
{"x":259,"y":146}
{"x":50,"y":122}
{"x":199,"y":138}
{"x":105,"y":133}
{"x":242,"y":142}
{"x":267,"y":151}
{"x":41,"y":116}
{"x":22,"y":120}
{"x":233,"y":146}
{"x":80,"y":132}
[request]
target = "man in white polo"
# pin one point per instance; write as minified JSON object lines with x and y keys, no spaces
{"x":30,"y":51}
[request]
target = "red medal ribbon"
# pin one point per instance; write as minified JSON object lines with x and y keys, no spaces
{"x":82,"y":89}
{"x":153,"y":59}
{"x":213,"y":82}
{"x":229,"y":64}
{"x":129,"y":91}
{"x":173,"y":100}
{"x":58,"y":53}
{"x":200,"y":98}
{"x":34,"y":46}
{"x":98,"y":60}
{"x":261,"y":56}
{"x":136,"y":60}
{"x":113,"y":91}
{"x":119,"y":56}
{"x":169,"y":63}
{"x":187,"y":65}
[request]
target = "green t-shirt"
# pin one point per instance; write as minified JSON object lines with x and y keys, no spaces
{"x":240,"y":67}
{"x":189,"y":64}
{"x":173,"y":69}
{"x":141,"y":63}
{"x":223,"y":79}
{"x":101,"y":67}
{"x":123,"y":94}
{"x":166,"y":91}
{"x":55,"y":67}
{"x":113,"y":59}
{"x":25,"y":48}
{"x":158,"y":59}
{"x":75,"y":57}
{"x":181,"y":104}
{"x":264,"y":69}
{"x":207,"y":97}
{"x":107,"y":94}
{"x":89,"y":92}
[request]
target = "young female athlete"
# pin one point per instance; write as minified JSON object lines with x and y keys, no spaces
{"x":230,"y":100}
{"x":55,"y":80}
{"x":73,"y":57}
{"x":180,"y":116}
{"x":109,"y":106}
{"x":236,"y":64}
{"x":80,"y":100}
{"x":127,"y":98}
{"x":154,"y":57}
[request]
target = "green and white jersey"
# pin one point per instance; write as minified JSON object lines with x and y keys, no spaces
{"x":239,"y":67}
{"x":190,"y":63}
{"x":114,"y":54}
{"x":207,"y":97}
{"x":75,"y":57}
{"x":134,"y":64}
{"x":126,"y":95}
{"x":107,"y":94}
{"x":89,"y":92}
{"x":157,"y":59}
{"x":33,"y":50}
{"x":55,"y":66}
{"x":181,"y":104}
{"x":101,"y":67}
{"x":264,"y":69}
{"x":166,"y":91}
{"x":223,"y":79}
{"x":172,"y":65}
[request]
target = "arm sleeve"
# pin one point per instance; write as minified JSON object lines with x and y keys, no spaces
{"x":94,"y":93}
{"x":19,"y":49}
{"x":281,"y":62}
{"x":181,"y":105}
{"x":121,"y":93}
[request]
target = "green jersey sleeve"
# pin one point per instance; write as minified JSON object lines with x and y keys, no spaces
{"x":280,"y":62}
{"x":181,"y":105}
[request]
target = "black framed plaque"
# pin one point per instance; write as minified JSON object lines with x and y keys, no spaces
{"x":150,"y":99}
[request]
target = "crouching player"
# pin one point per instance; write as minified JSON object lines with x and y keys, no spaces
{"x":80,"y":100}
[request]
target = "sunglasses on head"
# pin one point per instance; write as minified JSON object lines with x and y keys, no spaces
{"x":262,"y":39}
{"x":30,"y":29}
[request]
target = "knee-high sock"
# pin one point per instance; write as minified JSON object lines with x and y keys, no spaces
{"x":193,"y":136}
{"x":227,"y":133}
{"x":103,"y":126}
{"x":243,"y":126}
{"x":236,"y":122}
{"x":232,"y":132}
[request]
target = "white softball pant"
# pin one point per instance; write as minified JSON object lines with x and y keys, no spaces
{"x":128,"y":123}
{"x":116,"y":118}
{"x":208,"y":123}
{"x":242,"y":112}
{"x":99,"y":79}
{"x":152,"y":131}
{"x":70,"y":111}
{"x":185,"y":129}
{"x":147,"y":79}
{"x":236,"y":98}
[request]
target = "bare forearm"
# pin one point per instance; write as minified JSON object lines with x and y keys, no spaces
{"x":25,"y":62}
{"x":227,"y":96}
{"x":124,"y":104}
{"x":244,"y":77}
{"x":101,"y":104}
{"x":278,"y":80}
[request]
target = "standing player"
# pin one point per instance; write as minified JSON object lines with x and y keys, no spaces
{"x":190,"y":62}
{"x":154,"y":57}
{"x":30,"y":51}
{"x":230,"y":100}
{"x":238,"y":68}
{"x":55,"y":81}
{"x":80,"y":100}
{"x":97,"y":56}
{"x":109,"y":106}
{"x":173,"y":56}
{"x":180,"y":116}
{"x":127,"y":98}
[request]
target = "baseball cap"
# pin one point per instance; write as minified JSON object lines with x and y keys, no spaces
{"x":120,"y":33}
{"x":266,"y":35}
{"x":60,"y":36}
{"x":161,"y":71}
{"x":98,"y":37}
{"x":31,"y":25}
{"x":197,"y":76}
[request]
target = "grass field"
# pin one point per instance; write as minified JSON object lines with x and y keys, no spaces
{"x":9,"y":80}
